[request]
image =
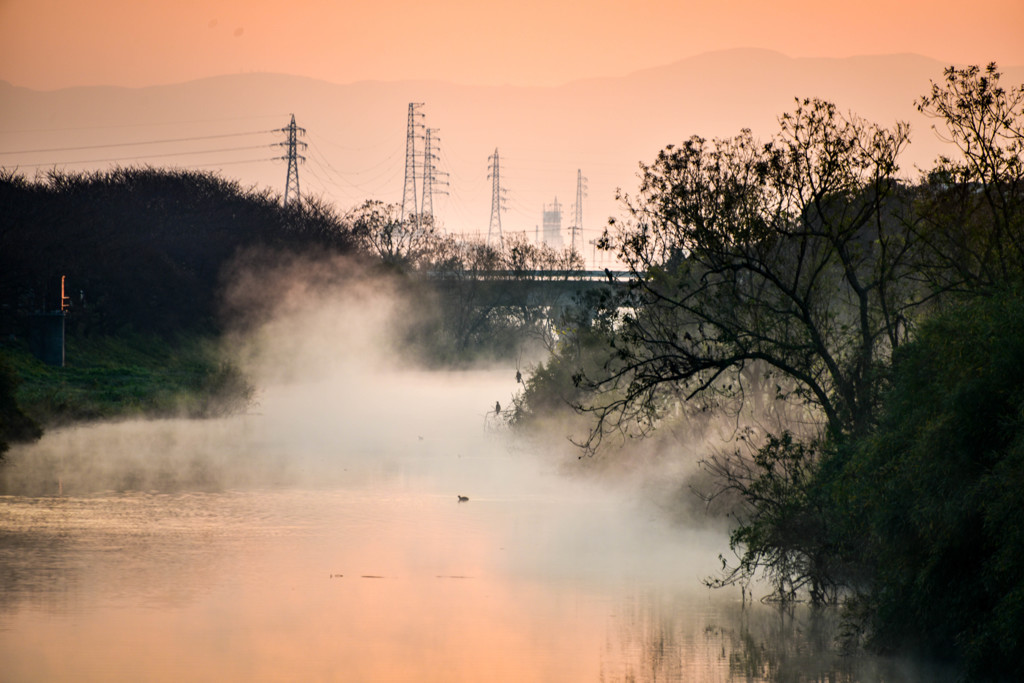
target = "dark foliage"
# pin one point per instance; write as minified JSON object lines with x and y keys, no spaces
{"x":14,"y":424}
{"x":784,"y":520}
{"x":972,"y":204}
{"x":141,"y":248}
{"x":937,"y":493}
{"x":789,"y":254}
{"x":894,"y":313}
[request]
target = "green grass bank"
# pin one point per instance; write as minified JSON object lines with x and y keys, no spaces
{"x":115,"y":377}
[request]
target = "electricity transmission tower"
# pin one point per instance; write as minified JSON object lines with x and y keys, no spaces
{"x":497,"y":198}
{"x":409,"y":189}
{"x":291,"y":184}
{"x":577,"y":221}
{"x":430,"y":174}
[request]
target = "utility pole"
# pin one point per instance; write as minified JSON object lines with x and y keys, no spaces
{"x":577,"y":221}
{"x":497,"y":198}
{"x":430,"y":174}
{"x":409,"y":189}
{"x":291,"y":184}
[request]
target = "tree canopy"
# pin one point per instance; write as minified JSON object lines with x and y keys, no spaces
{"x":788,"y":255}
{"x":141,"y":247}
{"x":804,"y":271}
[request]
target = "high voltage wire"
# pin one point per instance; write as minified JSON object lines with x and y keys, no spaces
{"x":393,"y":178}
{"x":229,"y":163}
{"x":366,"y":182}
{"x":323,"y":183}
{"x":369,"y":180}
{"x":325,"y":166}
{"x":361,"y":183}
{"x":323,"y":188}
{"x":454,"y":198}
{"x":144,"y":156}
{"x":368,"y":185}
{"x":346,"y":148}
{"x":521,"y":209}
{"x":374,"y":167}
{"x":460,"y":206}
{"x":480,"y":177}
{"x":136,"y":144}
{"x":140,"y":125}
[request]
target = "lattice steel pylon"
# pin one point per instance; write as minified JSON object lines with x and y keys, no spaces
{"x":577,"y":220}
{"x":291,"y":183}
{"x":409,"y":189}
{"x":431,"y":175}
{"x":497,"y":199}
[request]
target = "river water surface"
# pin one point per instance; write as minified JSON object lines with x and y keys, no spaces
{"x":323,"y":540}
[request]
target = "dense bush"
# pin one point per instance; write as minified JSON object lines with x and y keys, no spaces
{"x":15,"y":425}
{"x":142,"y":249}
{"x":805,"y":272}
{"x":937,"y":489}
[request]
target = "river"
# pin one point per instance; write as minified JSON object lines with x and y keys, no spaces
{"x":321,"y":538}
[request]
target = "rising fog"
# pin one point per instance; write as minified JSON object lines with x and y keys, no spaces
{"x":341,"y":402}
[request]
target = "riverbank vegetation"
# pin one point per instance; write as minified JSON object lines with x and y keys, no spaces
{"x":127,"y":376}
{"x":862,"y":330}
{"x":145,"y":269}
{"x":134,"y":258}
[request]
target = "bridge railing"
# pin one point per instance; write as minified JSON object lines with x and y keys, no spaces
{"x":564,"y":275}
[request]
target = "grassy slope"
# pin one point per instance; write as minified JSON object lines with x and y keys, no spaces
{"x":112,"y":377}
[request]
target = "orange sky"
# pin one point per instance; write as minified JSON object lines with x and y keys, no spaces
{"x":47,"y":44}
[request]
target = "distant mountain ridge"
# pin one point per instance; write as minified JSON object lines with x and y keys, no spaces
{"x":357,"y":131}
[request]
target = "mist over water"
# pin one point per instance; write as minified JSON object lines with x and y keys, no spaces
{"x":319,"y":536}
{"x":341,"y":405}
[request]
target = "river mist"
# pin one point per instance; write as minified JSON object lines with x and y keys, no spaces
{"x":320,"y":535}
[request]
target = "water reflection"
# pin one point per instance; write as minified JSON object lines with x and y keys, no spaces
{"x":298,"y":546}
{"x":675,"y":638}
{"x":285,"y":585}
{"x":350,"y":584}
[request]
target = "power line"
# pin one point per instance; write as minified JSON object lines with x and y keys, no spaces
{"x":138,"y":125}
{"x":229,"y":163}
{"x":374,"y":167}
{"x":365,"y":186}
{"x":346,"y":148}
{"x":351,"y":193}
{"x":458,"y":202}
{"x":135,"y":144}
{"x":316,"y":163}
{"x":143,"y":156}
{"x":319,"y":182}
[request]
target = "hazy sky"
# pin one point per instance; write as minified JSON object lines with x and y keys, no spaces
{"x":47,"y":44}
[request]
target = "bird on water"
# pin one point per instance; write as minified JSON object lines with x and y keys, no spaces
{"x":463,"y":499}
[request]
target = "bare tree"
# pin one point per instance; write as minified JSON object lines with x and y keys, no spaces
{"x":379,"y":230}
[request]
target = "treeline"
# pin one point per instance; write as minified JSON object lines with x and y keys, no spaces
{"x":147,"y":250}
{"x":139,"y":255}
{"x":141,"y":249}
{"x":144,"y":256}
{"x":482,"y":301}
{"x":417,"y":245}
{"x":864,"y":329}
